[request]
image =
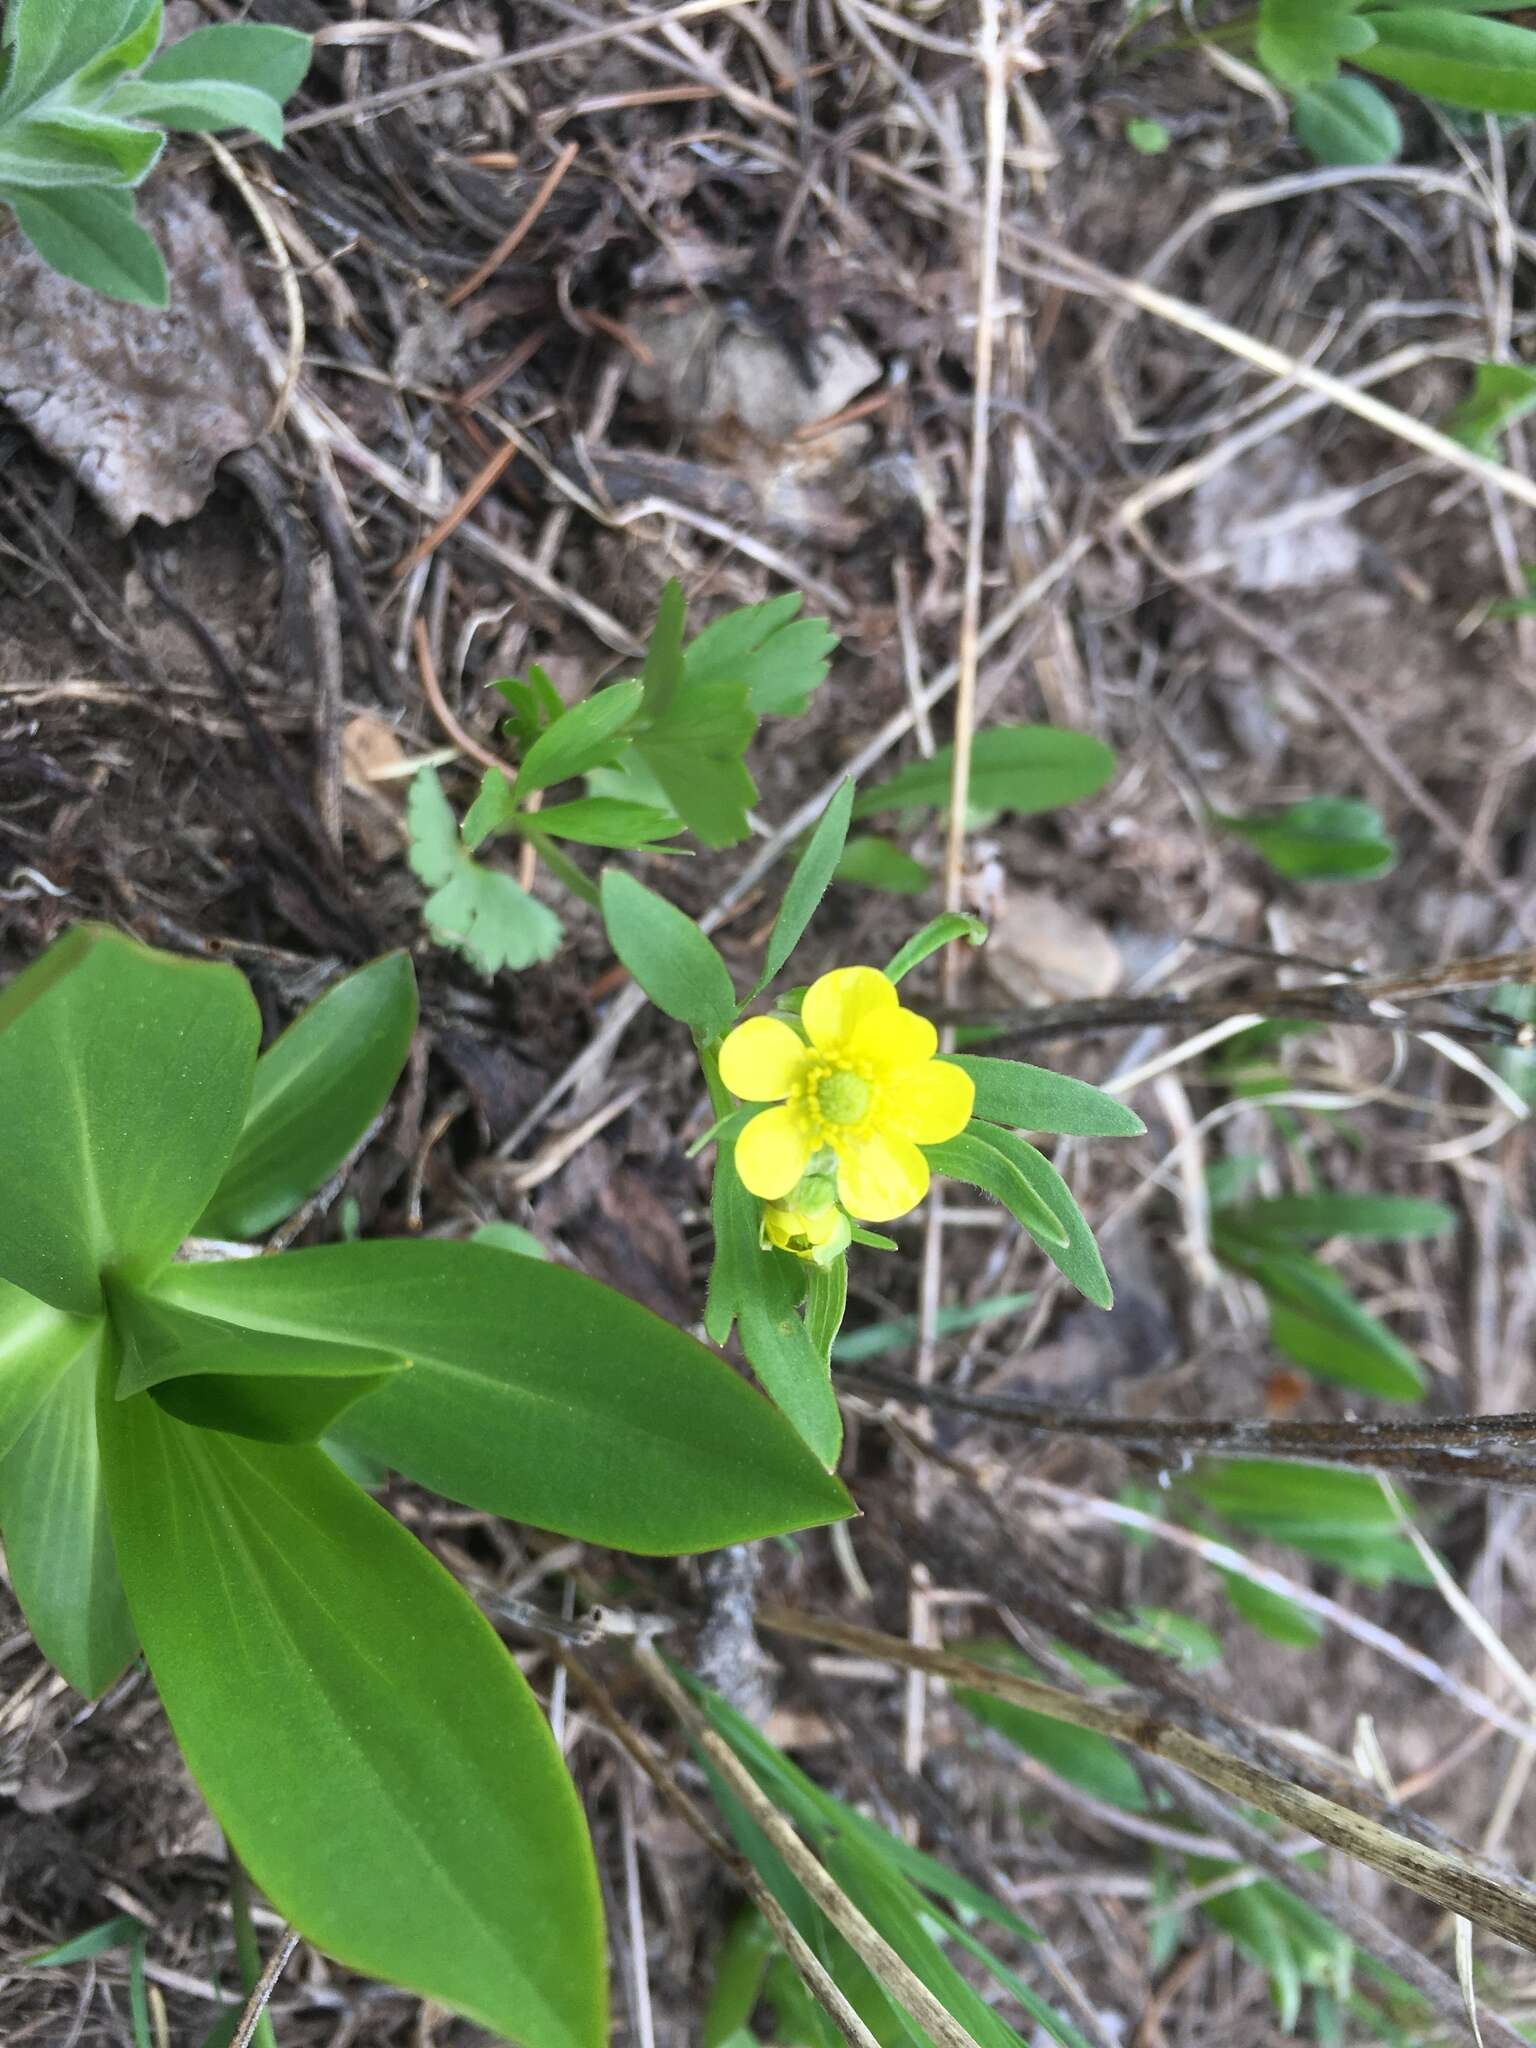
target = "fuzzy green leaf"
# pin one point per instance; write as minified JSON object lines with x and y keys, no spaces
{"x":1034,"y":1099}
{"x":264,"y":58}
{"x":92,"y":238}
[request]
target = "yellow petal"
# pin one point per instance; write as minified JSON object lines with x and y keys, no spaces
{"x":772,"y":1153}
{"x":836,"y":1004}
{"x":929,"y":1103}
{"x":880,"y":1177}
{"x":761,"y":1060}
{"x":889,"y":1040}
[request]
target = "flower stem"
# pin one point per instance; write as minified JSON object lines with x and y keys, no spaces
{"x":247,"y":1948}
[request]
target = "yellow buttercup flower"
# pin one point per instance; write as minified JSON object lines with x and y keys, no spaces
{"x":794,"y":1230}
{"x":866,"y":1087}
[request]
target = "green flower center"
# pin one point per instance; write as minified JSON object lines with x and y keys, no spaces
{"x":842,"y":1097}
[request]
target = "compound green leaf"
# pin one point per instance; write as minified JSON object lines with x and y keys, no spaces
{"x":668,"y":955}
{"x":53,"y":1514}
{"x":780,"y":658}
{"x":583,"y":738}
{"x":663,"y":670}
{"x":1034,"y":1099}
{"x":1021,"y":768}
{"x":124,"y":1077}
{"x":272,"y":1386}
{"x":1465,"y":60}
{"x":360,"y":1733}
{"x":694,"y":752}
{"x":480,"y":912}
{"x":535,"y":1393}
{"x":314,"y":1095}
{"x":808,"y":884}
{"x":91,"y":237}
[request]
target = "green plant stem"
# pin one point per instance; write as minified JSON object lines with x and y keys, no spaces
{"x":1231,"y":33}
{"x":563,"y":869}
{"x":709,"y":1060}
{"x":247,"y":1948}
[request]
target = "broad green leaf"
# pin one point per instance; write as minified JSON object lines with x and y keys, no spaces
{"x":315,"y":1094}
{"x":1310,"y":1219}
{"x":1080,"y":1260}
{"x":48,"y":43}
{"x":1085,"y":1759}
{"x":663,"y":671}
{"x":37,"y":1345}
{"x":939,"y":931}
{"x":124,"y":1076}
{"x":272,"y":1386}
{"x":605,"y":821}
{"x":201,"y":107}
{"x":694,"y":751}
{"x":535,"y":1393}
{"x":807,"y":885}
{"x":480,"y":912}
{"x":971,"y":1158}
{"x":1272,"y":1614}
{"x":1020,"y":768}
{"x":668,"y":955}
{"x":582,"y":738}
{"x":1320,"y":839}
{"x":75,"y":149}
{"x":876,"y":1340}
{"x":1465,"y":60}
{"x":870,"y":862}
{"x":761,"y":1289}
{"x":53,"y":1516}
{"x":1300,"y":42}
{"x":1501,"y":394}
{"x":1034,"y":1099}
{"x":1347,"y":121}
{"x":92,"y":237}
{"x":781,"y":659}
{"x":270,"y":60}
{"x":363,"y":1738}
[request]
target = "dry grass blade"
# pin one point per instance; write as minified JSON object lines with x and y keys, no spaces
{"x":1434,"y":1874}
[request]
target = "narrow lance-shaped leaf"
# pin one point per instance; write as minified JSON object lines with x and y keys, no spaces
{"x":1034,"y":1099}
{"x":124,"y":1077}
{"x":1079,"y":1259}
{"x":367,"y":1744}
{"x":535,"y":1393}
{"x":808,"y":884}
{"x":1488,"y":66}
{"x":581,"y":738}
{"x":1021,"y":768}
{"x":314,"y":1094}
{"x":971,"y":1158}
{"x":264,"y":57}
{"x":668,"y":955}
{"x":92,"y":238}
{"x":940,"y":931}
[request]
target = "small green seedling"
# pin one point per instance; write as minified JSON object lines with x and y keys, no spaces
{"x":85,"y":103}
{"x":174,"y":1433}
{"x":833,"y":1111}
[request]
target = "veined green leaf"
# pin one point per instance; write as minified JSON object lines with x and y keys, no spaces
{"x":535,"y":1393}
{"x":365,"y":1741}
{"x":1020,"y":768}
{"x":92,"y":237}
{"x":37,"y":1345}
{"x":124,"y":1077}
{"x":1034,"y":1099}
{"x":272,"y":1386}
{"x":668,"y":955}
{"x":808,"y":884}
{"x":314,"y":1095}
{"x":49,"y":43}
{"x":53,"y":1515}
{"x":201,"y":107}
{"x":74,"y":149}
